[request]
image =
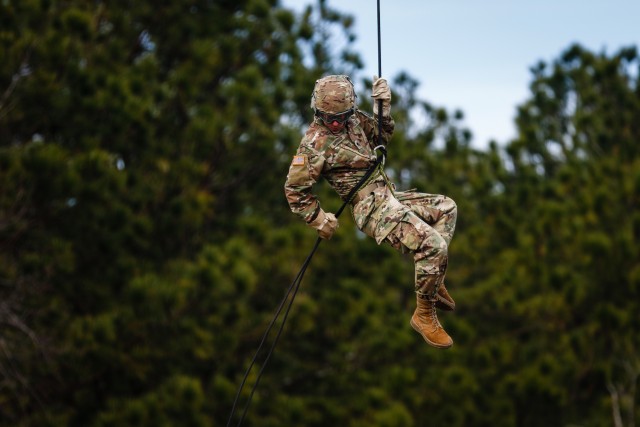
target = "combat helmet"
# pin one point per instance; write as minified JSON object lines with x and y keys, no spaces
{"x":333,"y":95}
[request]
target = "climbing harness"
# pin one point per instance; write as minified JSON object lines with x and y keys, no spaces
{"x":295,"y":285}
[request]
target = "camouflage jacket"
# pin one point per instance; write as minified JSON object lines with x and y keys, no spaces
{"x":342,"y":159}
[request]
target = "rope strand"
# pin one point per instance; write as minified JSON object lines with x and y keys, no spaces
{"x":379,"y":73}
{"x":295,"y":285}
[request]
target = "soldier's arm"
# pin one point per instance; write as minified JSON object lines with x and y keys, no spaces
{"x":304,"y":171}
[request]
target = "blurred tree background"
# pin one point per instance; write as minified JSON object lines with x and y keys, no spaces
{"x":145,"y":240}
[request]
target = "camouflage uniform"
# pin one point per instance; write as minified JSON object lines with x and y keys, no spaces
{"x":418,"y":223}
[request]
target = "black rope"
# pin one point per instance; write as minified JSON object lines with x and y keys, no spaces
{"x":295,"y":285}
{"x":379,"y":44}
{"x":379,"y":72}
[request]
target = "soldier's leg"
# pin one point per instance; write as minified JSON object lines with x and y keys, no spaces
{"x":429,"y":250}
{"x":439,"y":211}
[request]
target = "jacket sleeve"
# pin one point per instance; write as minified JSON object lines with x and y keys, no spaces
{"x":304,"y":171}
{"x":370,"y":127}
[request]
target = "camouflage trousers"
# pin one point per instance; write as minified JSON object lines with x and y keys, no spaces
{"x":425,"y":230}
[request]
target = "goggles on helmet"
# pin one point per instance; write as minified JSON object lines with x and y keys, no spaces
{"x":329,"y":118}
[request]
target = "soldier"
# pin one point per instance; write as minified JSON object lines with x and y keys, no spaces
{"x":339,"y":145}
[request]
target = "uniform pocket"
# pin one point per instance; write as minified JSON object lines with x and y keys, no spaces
{"x":362,"y":211}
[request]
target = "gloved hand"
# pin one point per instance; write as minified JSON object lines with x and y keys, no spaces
{"x":325,"y":223}
{"x":381,"y":91}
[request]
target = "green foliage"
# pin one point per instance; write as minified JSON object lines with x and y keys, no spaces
{"x":145,"y":241}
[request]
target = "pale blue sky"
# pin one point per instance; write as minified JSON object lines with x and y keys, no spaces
{"x":475,"y":55}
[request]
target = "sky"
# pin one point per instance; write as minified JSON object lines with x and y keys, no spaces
{"x":476,"y":55}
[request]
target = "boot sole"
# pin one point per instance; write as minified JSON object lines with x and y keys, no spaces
{"x":431,"y":343}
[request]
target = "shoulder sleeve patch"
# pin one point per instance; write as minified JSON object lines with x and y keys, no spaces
{"x":299,"y":160}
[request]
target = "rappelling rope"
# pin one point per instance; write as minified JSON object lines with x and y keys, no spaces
{"x":290,"y":295}
{"x":295,"y":285}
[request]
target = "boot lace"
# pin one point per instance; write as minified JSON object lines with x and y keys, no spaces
{"x":433,"y":314}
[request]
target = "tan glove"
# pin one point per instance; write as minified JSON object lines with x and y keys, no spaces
{"x":381,"y":91}
{"x":325,"y":223}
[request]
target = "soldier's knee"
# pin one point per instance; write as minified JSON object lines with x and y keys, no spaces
{"x":434,"y":247}
{"x":441,"y":252}
{"x":451,"y":205}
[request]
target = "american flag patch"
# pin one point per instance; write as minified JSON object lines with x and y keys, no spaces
{"x":298,"y":160}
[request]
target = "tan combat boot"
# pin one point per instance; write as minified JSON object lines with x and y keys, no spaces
{"x":425,"y":322}
{"x":444,"y":300}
